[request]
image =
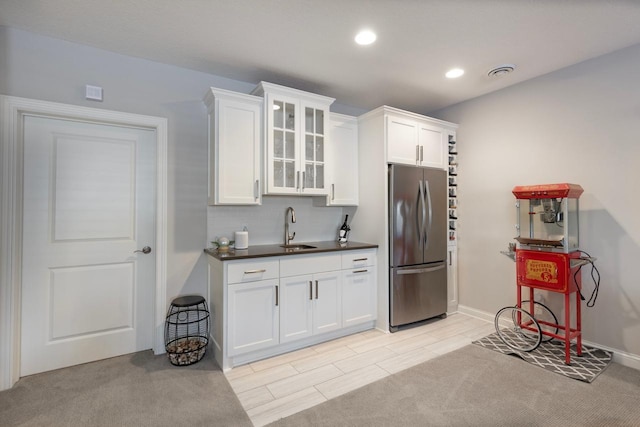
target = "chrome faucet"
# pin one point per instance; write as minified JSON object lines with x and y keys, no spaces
{"x":288,"y":238}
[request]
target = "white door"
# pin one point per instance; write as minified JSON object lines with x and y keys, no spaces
{"x":282,"y":145}
{"x":254,"y":315}
{"x":402,"y":141}
{"x":296,"y":319}
{"x":89,"y":200}
{"x":342,"y":161}
{"x":434,"y":144}
{"x":358,"y":296}
{"x":327,"y":302}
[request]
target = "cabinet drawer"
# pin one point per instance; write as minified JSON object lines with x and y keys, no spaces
{"x":356,"y":259}
{"x":308,"y":264}
{"x":250,"y":271}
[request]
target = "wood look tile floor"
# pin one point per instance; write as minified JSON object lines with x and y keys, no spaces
{"x":275,"y":388}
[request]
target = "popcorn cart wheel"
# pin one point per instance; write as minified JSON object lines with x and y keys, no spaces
{"x":518,"y":329}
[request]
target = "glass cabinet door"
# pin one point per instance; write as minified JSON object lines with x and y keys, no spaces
{"x":284,"y":144}
{"x":296,"y":133}
{"x":314,"y":137}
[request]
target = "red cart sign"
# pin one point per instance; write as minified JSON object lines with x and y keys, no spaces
{"x":546,"y":270}
{"x":542,"y":271}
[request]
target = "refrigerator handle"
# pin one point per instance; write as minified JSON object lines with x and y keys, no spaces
{"x":427,"y":230}
{"x":422,"y":270}
{"x":419,"y":222}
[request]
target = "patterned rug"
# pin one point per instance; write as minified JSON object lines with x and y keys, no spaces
{"x":550,"y":356}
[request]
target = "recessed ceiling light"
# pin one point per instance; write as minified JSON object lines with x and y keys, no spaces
{"x":454,"y":73}
{"x":365,"y":37}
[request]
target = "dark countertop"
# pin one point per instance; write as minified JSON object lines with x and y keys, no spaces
{"x":260,"y":251}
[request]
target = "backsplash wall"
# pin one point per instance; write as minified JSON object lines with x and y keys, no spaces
{"x":266,"y":223}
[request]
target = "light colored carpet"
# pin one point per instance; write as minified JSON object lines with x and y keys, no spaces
{"x":474,"y":386}
{"x":139,"y":389}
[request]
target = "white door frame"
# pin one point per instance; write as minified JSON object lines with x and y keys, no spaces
{"x":12,"y":113}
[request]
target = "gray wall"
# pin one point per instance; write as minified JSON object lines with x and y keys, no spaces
{"x":579,"y":125}
{"x":38,"y":67}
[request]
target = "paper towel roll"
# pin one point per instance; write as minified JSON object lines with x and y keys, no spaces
{"x":242,"y":240}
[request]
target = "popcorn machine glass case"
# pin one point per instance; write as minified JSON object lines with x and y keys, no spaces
{"x":548,"y":217}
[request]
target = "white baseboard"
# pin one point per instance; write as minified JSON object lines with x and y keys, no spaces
{"x":619,"y":356}
{"x":478,"y":314}
{"x":622,"y":357}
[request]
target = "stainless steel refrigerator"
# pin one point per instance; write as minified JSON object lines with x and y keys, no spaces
{"x":417,"y":244}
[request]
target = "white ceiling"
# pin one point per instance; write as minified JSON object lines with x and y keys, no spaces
{"x":308,"y":44}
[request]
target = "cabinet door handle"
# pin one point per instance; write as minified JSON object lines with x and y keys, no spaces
{"x":302,"y":182}
{"x":417,"y":153}
{"x":360,"y":259}
{"x":256,"y":193}
{"x":333,"y":192}
{"x":310,"y":290}
{"x":316,"y":289}
{"x":277,"y":293}
{"x":298,"y":180}
{"x":421,"y":153}
{"x":360,"y":271}
{"x":255,"y":271}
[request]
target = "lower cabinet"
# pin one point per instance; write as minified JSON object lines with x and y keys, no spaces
{"x":359,"y":287}
{"x":358,"y":296}
{"x":253,"y":316}
{"x":265,"y":307}
{"x":327,"y":302}
{"x":311,"y":304}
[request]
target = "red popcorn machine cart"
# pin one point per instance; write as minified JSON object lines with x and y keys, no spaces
{"x":548,"y":258}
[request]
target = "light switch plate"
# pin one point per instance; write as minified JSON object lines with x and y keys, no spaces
{"x":94,"y":93}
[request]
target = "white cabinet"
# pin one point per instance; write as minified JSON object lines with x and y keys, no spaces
{"x":327,"y":302}
{"x":415,"y":140}
{"x":296,"y":320}
{"x":253,"y":316}
{"x":432,"y":141}
{"x":358,"y":288}
{"x":253,"y":305}
{"x":402,"y":140}
{"x":452,"y":279}
{"x":342,"y":160}
{"x":296,"y":125}
{"x":311,"y":305}
{"x":235,"y":129}
{"x":261,"y":307}
{"x":378,"y":139}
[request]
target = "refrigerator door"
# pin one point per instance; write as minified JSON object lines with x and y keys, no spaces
{"x":435,"y":230}
{"x":406,"y":215}
{"x":418,"y":293}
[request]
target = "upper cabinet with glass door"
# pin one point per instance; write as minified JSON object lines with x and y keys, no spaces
{"x":296,"y":126}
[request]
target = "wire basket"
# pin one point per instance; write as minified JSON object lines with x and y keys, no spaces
{"x":186,"y":333}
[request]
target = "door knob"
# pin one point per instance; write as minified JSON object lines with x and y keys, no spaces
{"x":145,"y":250}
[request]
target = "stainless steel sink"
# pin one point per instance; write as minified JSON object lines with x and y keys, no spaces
{"x":297,"y":247}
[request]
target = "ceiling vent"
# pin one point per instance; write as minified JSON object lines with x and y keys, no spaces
{"x":501,"y":70}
